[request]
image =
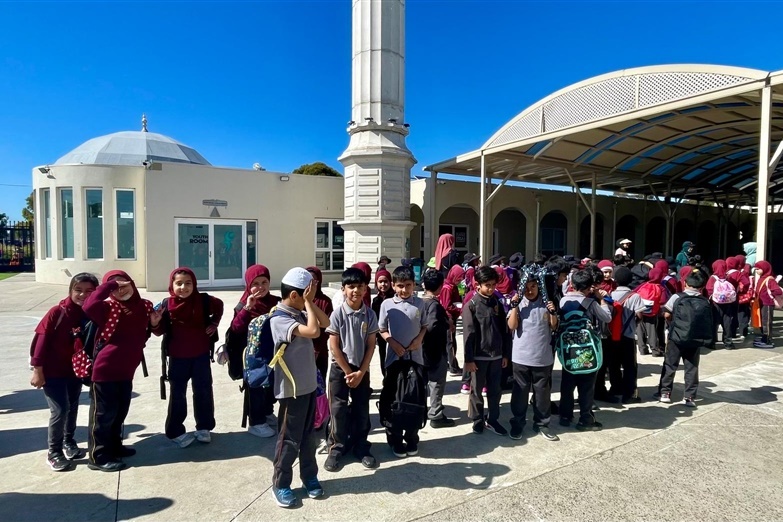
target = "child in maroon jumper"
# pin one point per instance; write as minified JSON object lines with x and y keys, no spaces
{"x":124,"y":320}
{"x":187,"y":328}
{"x":53,"y":346}
{"x":767,"y":291}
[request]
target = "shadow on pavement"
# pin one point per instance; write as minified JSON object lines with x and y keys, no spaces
{"x":28,"y":440}
{"x":22,"y":401}
{"x":752,"y":396}
{"x":22,"y":507}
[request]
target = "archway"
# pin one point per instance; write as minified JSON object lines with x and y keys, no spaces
{"x":509,"y":232}
{"x":584,"y":237}
{"x":463,"y":222}
{"x":683,"y":231}
{"x":416,"y":238}
{"x":707,"y":241}
{"x":554,"y":234}
{"x":628,"y":227}
{"x":655,"y":240}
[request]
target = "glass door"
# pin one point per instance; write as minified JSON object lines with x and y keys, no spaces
{"x":193,"y":249}
{"x":229,"y":255}
{"x":214,"y":249}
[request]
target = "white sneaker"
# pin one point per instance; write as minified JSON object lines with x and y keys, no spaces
{"x":184,"y":440}
{"x":271,"y":420}
{"x":203,"y":436}
{"x":261,"y":430}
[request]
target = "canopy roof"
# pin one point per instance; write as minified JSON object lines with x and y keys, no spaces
{"x":690,"y":130}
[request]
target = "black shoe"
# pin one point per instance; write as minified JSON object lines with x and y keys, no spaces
{"x":110,"y":467}
{"x":58,"y":462}
{"x":545,"y":433}
{"x":455,"y":372}
{"x":632,"y":400}
{"x":606,"y":397}
{"x":516,"y":431}
{"x":496,"y":427}
{"x":332,"y":462}
{"x":594,"y":426}
{"x":72,"y":451}
{"x":125,"y":452}
{"x":657,"y":353}
{"x":565,"y":422}
{"x":728,"y":346}
{"x":443,"y":422}
{"x":478,"y":427}
{"x":411,"y":449}
{"x":369,"y":462}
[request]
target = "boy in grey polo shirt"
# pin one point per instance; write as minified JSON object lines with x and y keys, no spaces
{"x":352,"y":330}
{"x":402,"y":325}
{"x":295,"y":385}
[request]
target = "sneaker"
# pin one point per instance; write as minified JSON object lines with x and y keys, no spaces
{"x":728,"y":346}
{"x":271,"y":420}
{"x":738,"y":338}
{"x":516,"y":431}
{"x":184,"y":440}
{"x":484,"y":391}
{"x":632,"y":400}
{"x":112,"y":466}
{"x":332,"y":462}
{"x":594,"y":426}
{"x":656,"y":395}
{"x":369,"y":462}
{"x":284,"y":497}
{"x":455,"y":372}
{"x":58,"y":462}
{"x":313,"y":487}
{"x":443,"y":422}
{"x":689,"y":402}
{"x":545,"y":433}
{"x":399,"y":450}
{"x":465,"y":389}
{"x":262,"y":430}
{"x":478,"y":427}
{"x":657,"y":353}
{"x":496,"y":427}
{"x":72,"y":451}
{"x":762,"y":344}
{"x":203,"y":436}
{"x":412,"y":449}
{"x":665,"y":398}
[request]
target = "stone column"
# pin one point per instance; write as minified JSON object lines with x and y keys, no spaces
{"x":377,"y":161}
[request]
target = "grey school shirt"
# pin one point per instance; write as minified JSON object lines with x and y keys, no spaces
{"x":669,"y":306}
{"x":403,"y":319}
{"x":353,"y":327}
{"x":631,"y":306}
{"x":531,"y":344}
{"x":299,"y":355}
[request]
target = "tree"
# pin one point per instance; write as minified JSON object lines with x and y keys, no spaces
{"x":3,"y":219}
{"x":28,"y":213}
{"x":316,"y":169}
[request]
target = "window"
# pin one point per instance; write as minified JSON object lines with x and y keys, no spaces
{"x":93,"y":207}
{"x":329,"y":238}
{"x":460,"y":233}
{"x":66,"y":223}
{"x":47,"y":212}
{"x":126,"y":223}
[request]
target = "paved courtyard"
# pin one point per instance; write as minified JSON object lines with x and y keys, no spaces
{"x":721,"y":461}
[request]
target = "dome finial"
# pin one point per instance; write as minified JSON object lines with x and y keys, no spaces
{"x":143,"y":123}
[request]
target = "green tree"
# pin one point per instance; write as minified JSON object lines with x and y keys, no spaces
{"x":3,"y":219}
{"x":316,"y":169}
{"x":28,"y":213}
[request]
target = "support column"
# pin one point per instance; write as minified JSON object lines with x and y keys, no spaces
{"x":538,"y":224}
{"x":431,"y":216}
{"x":482,"y":213}
{"x":763,"y":185}
{"x":614,"y":229}
{"x":592,"y":222}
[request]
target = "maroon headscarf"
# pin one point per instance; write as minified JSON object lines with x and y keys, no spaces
{"x":189,"y":309}
{"x":719,"y":269}
{"x":445,"y":245}
{"x":134,"y":304}
{"x":367,"y":269}
{"x":663,"y":265}
{"x":264,"y":304}
{"x":455,"y":275}
{"x":504,"y":283}
{"x":744,"y":266}
{"x":656,"y":275}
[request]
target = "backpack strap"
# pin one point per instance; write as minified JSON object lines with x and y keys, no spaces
{"x":280,"y":352}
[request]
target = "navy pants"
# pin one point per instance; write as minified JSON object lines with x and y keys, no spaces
{"x":109,"y":405}
{"x":198,"y":372}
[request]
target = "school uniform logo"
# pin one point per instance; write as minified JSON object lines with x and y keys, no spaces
{"x":364,"y":328}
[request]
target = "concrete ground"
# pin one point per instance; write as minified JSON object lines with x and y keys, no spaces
{"x":720,"y":461}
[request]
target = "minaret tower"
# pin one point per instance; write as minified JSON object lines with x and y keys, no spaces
{"x":377,"y":162}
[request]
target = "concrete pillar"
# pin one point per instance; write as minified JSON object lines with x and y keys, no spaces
{"x":431,"y":216}
{"x":764,"y":171}
{"x":377,"y":161}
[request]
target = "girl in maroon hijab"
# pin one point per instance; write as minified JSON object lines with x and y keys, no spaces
{"x":737,"y":274}
{"x":124,"y":320}
{"x":723,"y":313}
{"x":322,"y":301}
{"x":767,"y":293}
{"x":53,"y":346}
{"x":188,"y":327}
{"x":258,"y":402}
{"x":445,"y":255}
{"x":383,"y":285}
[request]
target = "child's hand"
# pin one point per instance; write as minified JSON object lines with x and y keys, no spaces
{"x":353,"y":379}
{"x":504,"y":362}
{"x":415,"y":345}
{"x":252,"y":299}
{"x":551,"y":307}
{"x":155,"y":317}
{"x":309,"y":293}
{"x":38,"y":380}
{"x":397,"y":348}
{"x":470,"y":367}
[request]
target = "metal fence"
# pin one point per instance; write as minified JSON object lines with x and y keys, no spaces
{"x":17,"y":247}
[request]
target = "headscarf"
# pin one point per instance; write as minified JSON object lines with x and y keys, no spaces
{"x":445,"y":245}
{"x":663,"y":265}
{"x":605,"y":264}
{"x":455,"y":275}
{"x":384,"y":273}
{"x":719,"y":269}
{"x":134,"y":304}
{"x":504,"y":283}
{"x":264,"y":304}
{"x":733,"y":263}
{"x":367,"y":269}
{"x":321,"y":300}
{"x":189,"y":309}
{"x":533,"y":272}
{"x":744,"y":266}
{"x":655,"y":276}
{"x":766,"y":269}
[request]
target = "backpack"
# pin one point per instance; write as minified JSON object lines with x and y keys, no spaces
{"x":164,"y":343}
{"x":578,"y":345}
{"x":692,"y":322}
{"x":234,"y":347}
{"x":723,"y":292}
{"x":321,"y":401}
{"x":259,"y":351}
{"x":617,"y":325}
{"x":651,"y":298}
{"x":406,"y":409}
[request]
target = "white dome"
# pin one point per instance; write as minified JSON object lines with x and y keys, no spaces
{"x":131,"y":148}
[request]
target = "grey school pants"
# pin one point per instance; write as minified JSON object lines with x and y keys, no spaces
{"x":62,"y":395}
{"x":437,"y":386}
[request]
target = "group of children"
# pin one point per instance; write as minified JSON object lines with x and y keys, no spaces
{"x":508,"y":337}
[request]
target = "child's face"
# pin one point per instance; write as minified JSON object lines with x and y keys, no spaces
{"x":80,"y":291}
{"x":531,"y":290}
{"x":383,"y":284}
{"x":123,"y":293}
{"x":403,"y":289}
{"x":182,"y":285}
{"x":354,"y":294}
{"x":607,"y":273}
{"x":260,"y":287}
{"x":488,"y":288}
{"x":757,"y":271}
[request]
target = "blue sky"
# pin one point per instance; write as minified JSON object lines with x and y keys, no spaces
{"x":269,"y":82}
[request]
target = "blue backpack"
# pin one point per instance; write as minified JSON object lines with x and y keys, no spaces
{"x":578,"y":345}
{"x":259,"y":352}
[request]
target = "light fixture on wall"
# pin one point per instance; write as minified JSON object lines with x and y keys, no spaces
{"x":284,"y":178}
{"x":46,"y":170}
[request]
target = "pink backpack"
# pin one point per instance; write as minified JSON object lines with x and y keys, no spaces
{"x":723,"y":292}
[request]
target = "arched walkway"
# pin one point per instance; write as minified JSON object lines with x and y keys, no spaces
{"x":509,"y":232}
{"x":584,"y":237}
{"x":554,"y":234}
{"x":655,"y":240}
{"x":628,"y":227}
{"x":463,"y":222}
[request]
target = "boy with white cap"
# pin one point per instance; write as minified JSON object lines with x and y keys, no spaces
{"x":295,"y":385}
{"x":623,"y":246}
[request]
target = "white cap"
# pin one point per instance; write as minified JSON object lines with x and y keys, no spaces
{"x":625,"y":241}
{"x":298,"y":278}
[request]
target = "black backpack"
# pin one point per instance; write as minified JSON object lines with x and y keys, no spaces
{"x":406,"y":409}
{"x":235,"y":347}
{"x":692,"y":322}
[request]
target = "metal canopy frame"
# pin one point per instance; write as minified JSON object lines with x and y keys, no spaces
{"x":675,"y":131}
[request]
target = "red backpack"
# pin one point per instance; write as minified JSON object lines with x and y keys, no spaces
{"x":617,"y":325}
{"x":651,"y":297}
